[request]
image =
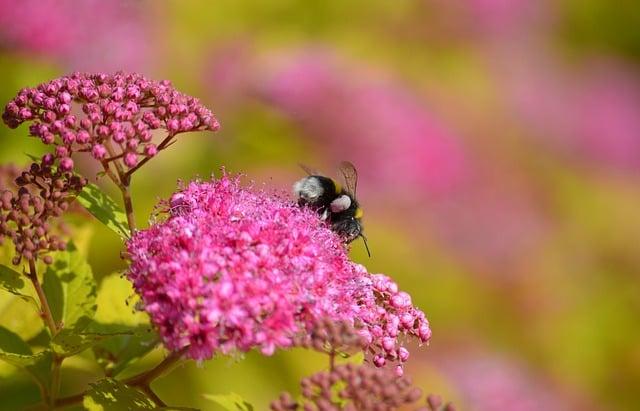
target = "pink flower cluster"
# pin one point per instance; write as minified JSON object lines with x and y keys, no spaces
{"x":235,"y":269}
{"x":113,"y":117}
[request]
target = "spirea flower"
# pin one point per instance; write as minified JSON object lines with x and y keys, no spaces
{"x":26,"y":208}
{"x":111,"y":116}
{"x":231,"y":269}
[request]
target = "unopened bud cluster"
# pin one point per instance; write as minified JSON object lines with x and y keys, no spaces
{"x":39,"y":194}
{"x":351,"y":387}
{"x":330,"y":336}
{"x":112,"y":117}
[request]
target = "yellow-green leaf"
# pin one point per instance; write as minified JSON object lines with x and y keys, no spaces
{"x":105,"y":209}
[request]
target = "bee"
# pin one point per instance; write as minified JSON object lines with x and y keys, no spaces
{"x":335,"y":203}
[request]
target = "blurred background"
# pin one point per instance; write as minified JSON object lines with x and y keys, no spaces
{"x":498,"y":145}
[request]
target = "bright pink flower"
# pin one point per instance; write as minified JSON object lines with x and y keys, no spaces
{"x":119,"y":112}
{"x":234,"y":269}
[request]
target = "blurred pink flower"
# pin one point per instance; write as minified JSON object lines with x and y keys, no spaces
{"x":488,"y":383}
{"x":234,"y":269}
{"x":589,"y":114}
{"x":380,"y":126}
{"x":80,"y":34}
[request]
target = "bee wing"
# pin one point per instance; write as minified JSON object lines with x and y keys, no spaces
{"x":310,"y":171}
{"x":350,"y":176}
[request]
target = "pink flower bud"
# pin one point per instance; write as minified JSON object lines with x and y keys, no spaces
{"x":130,"y":159}
{"x":98,"y":151}
{"x":66,"y":164}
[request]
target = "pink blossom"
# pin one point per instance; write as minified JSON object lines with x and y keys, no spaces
{"x":392,"y":135}
{"x":487,"y":383}
{"x":235,"y":269}
{"x":85,"y":34}
{"x":591,"y":116}
{"x":106,"y":120}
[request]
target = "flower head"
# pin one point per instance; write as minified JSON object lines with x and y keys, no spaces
{"x":111,"y":116}
{"x":27,"y":206}
{"x":235,"y":269}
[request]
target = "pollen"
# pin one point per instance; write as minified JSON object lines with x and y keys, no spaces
{"x":359,"y":213}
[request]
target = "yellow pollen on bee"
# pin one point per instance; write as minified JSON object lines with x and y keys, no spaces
{"x":359,"y":213}
{"x":338,"y":186}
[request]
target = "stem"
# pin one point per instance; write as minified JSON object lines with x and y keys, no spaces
{"x":142,"y":162}
{"x":44,"y":304}
{"x":123,"y":181}
{"x":150,"y":375}
{"x":332,"y":359}
{"x":128,"y":207}
{"x":140,"y":381}
{"x":55,"y":380}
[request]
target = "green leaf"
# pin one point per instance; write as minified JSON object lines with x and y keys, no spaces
{"x":68,"y":342}
{"x":116,"y":301}
{"x":112,"y":395}
{"x":38,"y":366}
{"x":102,"y":207}
{"x":116,"y":353}
{"x":52,"y":287}
{"x":19,"y":316}
{"x":12,"y":343}
{"x":230,"y":402}
{"x":73,"y":300}
{"x":13,"y":282}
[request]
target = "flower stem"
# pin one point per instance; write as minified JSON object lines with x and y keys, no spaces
{"x":123,"y":181}
{"x":128,"y":207}
{"x":140,"y":381}
{"x":55,"y":380}
{"x":150,"y":375}
{"x":44,"y":304}
{"x":332,"y":359}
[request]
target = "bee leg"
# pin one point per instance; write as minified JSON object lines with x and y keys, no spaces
{"x":324,"y":215}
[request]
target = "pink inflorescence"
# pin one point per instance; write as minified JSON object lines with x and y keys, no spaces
{"x":110,"y":116}
{"x":233,"y":269}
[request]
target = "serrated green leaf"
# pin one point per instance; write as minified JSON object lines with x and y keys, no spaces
{"x":112,"y":395}
{"x":13,"y":282}
{"x":38,"y":366}
{"x":68,"y":342}
{"x":105,"y":209}
{"x":116,"y":353}
{"x":230,"y":402}
{"x":78,"y":287}
{"x":11,"y":342}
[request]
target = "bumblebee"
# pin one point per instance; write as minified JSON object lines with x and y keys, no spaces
{"x":334,"y":202}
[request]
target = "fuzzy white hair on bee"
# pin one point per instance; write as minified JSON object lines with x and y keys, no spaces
{"x":308,"y":188}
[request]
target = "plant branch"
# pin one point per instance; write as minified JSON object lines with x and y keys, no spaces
{"x":123,"y":181}
{"x":55,"y":380}
{"x":142,"y":162}
{"x":44,"y":304}
{"x":140,"y":381}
